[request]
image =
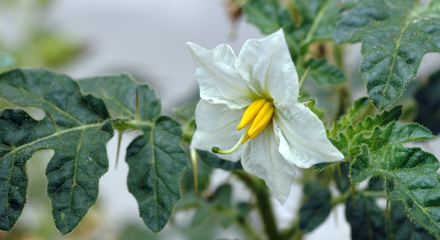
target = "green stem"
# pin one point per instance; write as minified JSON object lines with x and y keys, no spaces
{"x":293,"y":232}
{"x":263,"y":202}
{"x":249,"y":230}
{"x":315,"y":24}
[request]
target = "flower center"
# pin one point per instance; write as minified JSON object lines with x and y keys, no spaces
{"x":255,"y":119}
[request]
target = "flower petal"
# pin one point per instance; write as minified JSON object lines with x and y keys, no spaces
{"x":218,"y":79}
{"x":267,"y":62}
{"x":303,"y":140}
{"x":217,"y":127}
{"x":262,"y":158}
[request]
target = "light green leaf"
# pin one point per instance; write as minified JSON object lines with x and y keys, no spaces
{"x":365,"y":218}
{"x":80,"y":157}
{"x":394,"y":39}
{"x":323,"y":72}
{"x":155,"y":159}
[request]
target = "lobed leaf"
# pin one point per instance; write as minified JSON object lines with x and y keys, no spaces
{"x":409,"y":173}
{"x":399,"y":227}
{"x":155,"y":159}
{"x":394,"y":36}
{"x":79,"y":145}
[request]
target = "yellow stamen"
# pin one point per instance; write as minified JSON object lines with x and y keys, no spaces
{"x":255,"y":119}
{"x":261,"y":120}
{"x":251,"y":112}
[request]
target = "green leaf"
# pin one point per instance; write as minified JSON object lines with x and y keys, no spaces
{"x":394,"y":39}
{"x":428,"y":104}
{"x":366,"y":219}
{"x":80,"y":157}
{"x":367,"y":126}
{"x":410,"y":173}
{"x":155,"y":159}
{"x":156,"y":163}
{"x":319,"y":19}
{"x":323,"y":72}
{"x":186,"y":111}
{"x":215,"y":162}
{"x":269,"y":17}
{"x":119,"y":94}
{"x":315,"y":210}
{"x":399,"y":227}
{"x":312,"y":21}
{"x":358,"y":106}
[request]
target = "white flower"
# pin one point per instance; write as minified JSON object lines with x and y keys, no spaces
{"x":262,"y":80}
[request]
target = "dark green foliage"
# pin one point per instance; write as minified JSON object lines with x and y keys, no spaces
{"x":269,"y":17}
{"x":80,"y":157}
{"x":312,"y":21}
{"x":315,"y":210}
{"x":119,"y":94}
{"x":399,"y":227}
{"x":155,"y":159}
{"x":343,"y":179}
{"x":428,"y":104}
{"x":395,"y":35}
{"x":366,"y":219}
{"x":323,"y":72}
{"x":376,"y":148}
{"x":156,"y":163}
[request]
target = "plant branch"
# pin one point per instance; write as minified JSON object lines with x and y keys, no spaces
{"x":263,"y":202}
